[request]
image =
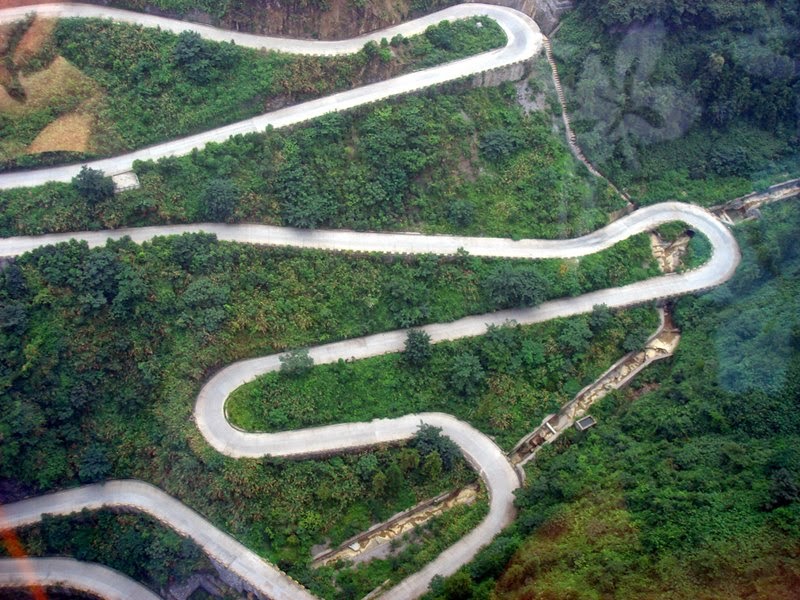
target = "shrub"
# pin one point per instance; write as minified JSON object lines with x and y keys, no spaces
{"x":93,"y":185}
{"x":509,"y":286}
{"x":296,"y":362}
{"x":219,"y":200}
{"x":497,"y":144}
{"x":461,"y":213}
{"x":466,"y":374}
{"x":418,"y":347}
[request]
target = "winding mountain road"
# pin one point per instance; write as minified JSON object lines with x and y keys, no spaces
{"x":524,"y":42}
{"x":488,"y":459}
{"x":72,"y":574}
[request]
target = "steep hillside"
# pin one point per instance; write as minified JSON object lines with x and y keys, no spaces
{"x":673,"y":100}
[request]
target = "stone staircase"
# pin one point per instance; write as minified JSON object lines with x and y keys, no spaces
{"x":572,"y":139}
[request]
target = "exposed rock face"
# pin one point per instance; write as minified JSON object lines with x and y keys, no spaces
{"x":336,"y":19}
{"x":547,"y":13}
{"x":497,"y":76}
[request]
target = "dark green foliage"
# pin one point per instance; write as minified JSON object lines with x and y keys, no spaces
{"x":93,"y":185}
{"x":461,"y":213}
{"x":636,"y":338}
{"x":158,"y":85}
{"x":135,"y":545}
{"x":692,"y":489}
{"x":675,"y":99}
{"x":575,"y":337}
{"x":600,"y":318}
{"x":783,"y":489}
{"x":512,"y":286}
{"x":516,"y":376}
{"x":418,"y":347}
{"x":499,"y":144}
{"x":94,"y":465}
{"x":201,"y":61}
{"x":87,"y":398}
{"x":405,"y":164}
{"x":296,"y":362}
{"x":460,"y":38}
{"x":219,"y":200}
{"x":466,"y":374}
{"x":429,"y":440}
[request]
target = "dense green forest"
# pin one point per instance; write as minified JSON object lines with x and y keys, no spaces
{"x":504,"y":383}
{"x":685,"y":100}
{"x":471,"y":161}
{"x":688,"y":488}
{"x":150,"y":553}
{"x":133,"y":544}
{"x":690,"y":485}
{"x":144,"y":86}
{"x":104,"y":350}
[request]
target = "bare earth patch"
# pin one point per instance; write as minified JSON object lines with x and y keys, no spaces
{"x":5,"y":35}
{"x":69,"y":133}
{"x":32,"y":41}
{"x":61,"y":82}
{"x":8,"y":105}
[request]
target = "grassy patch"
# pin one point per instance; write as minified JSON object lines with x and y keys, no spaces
{"x":523,"y":374}
{"x":159,"y":86}
{"x":471,"y":162}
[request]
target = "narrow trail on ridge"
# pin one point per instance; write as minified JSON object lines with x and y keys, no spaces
{"x":488,"y":459}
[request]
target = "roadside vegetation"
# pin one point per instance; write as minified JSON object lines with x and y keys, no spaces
{"x":133,"y":544}
{"x":104,"y":350}
{"x":504,"y":383}
{"x":379,"y":484}
{"x":688,"y":487}
{"x":469,"y":161}
{"x":131,"y":86}
{"x":323,"y":19}
{"x":413,"y":551}
{"x":677,"y":101}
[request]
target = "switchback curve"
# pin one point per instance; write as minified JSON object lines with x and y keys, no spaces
{"x":140,"y":496}
{"x":488,"y":459}
{"x":72,"y":574}
{"x":524,"y":42}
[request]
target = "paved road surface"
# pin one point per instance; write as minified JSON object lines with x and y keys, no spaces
{"x":488,"y":459}
{"x":140,"y":496}
{"x":524,"y":42}
{"x":72,"y":574}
